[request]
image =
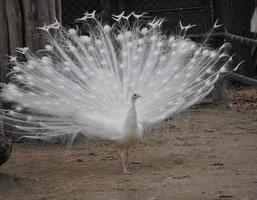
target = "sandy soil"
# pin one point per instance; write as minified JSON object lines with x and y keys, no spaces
{"x":206,"y":153}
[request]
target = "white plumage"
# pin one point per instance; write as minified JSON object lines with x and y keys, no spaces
{"x":84,"y":83}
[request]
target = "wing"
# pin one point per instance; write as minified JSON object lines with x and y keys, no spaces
{"x":73,"y":85}
{"x":185,"y":76}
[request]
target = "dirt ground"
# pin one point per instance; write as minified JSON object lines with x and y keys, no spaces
{"x":209,"y":152}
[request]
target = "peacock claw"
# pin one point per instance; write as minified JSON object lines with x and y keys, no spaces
{"x":126,"y":172}
{"x":68,"y":163}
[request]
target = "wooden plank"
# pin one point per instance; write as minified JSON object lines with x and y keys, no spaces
{"x":4,"y":46}
{"x":42,"y":19}
{"x":13,"y":12}
{"x":4,"y":50}
{"x":58,"y":6}
{"x":51,"y":10}
{"x":30,"y":18}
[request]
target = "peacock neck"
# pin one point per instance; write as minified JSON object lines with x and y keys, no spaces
{"x":131,"y":118}
{"x":132,"y":108}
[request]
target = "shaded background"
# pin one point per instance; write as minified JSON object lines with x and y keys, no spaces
{"x":19,"y":19}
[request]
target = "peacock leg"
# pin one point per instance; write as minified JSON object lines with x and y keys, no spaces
{"x":123,"y":161}
{"x":67,"y":157}
{"x":127,"y":157}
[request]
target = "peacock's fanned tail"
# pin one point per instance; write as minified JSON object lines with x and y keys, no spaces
{"x":82,"y":82}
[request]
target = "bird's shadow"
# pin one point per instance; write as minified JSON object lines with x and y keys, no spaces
{"x":8,"y":181}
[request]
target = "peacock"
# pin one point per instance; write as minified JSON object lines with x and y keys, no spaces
{"x":112,"y":82}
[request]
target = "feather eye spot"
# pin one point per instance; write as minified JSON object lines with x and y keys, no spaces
{"x":198,"y":79}
{"x":124,"y":53}
{"x":159,"y":44}
{"x":66,"y":69}
{"x":223,"y":69}
{"x":107,"y":28}
{"x":29,"y":118}
{"x":188,"y":75}
{"x":98,"y":42}
{"x":47,"y":94}
{"x":72,"y":31}
{"x":103,"y":62}
{"x":31,"y":94}
{"x":153,"y":38}
{"x":167,"y":89}
{"x":148,"y":65}
{"x":207,"y":83}
{"x":174,"y":44}
{"x":90,"y":58}
{"x":48,"y":47}
{"x":140,"y":41}
{"x":91,"y":48}
{"x":163,"y":58}
{"x":129,"y":44}
{"x":85,"y":39}
{"x":156,"y":52}
{"x":135,"y":58}
{"x":30,"y":66}
{"x":120,"y":37}
{"x":197,"y":52}
{"x":128,"y":34}
{"x":45,"y":60}
{"x":205,"y":52}
{"x":102,"y":51}
{"x":165,"y":81}
{"x":11,"y":112}
{"x":18,"y":108}
{"x":17,"y":69}
{"x":47,"y":81}
{"x":139,"y":50}
{"x":209,"y":71}
{"x":192,"y":60}
{"x":37,"y":103}
{"x":144,"y":31}
{"x":213,"y":54}
{"x":171,"y":39}
{"x":31,"y":83}
{"x":192,"y":46}
{"x":20,"y":77}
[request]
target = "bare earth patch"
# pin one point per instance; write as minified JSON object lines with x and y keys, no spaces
{"x":204,"y":153}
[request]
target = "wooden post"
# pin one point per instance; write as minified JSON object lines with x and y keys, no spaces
{"x":4,"y":48}
{"x":4,"y":44}
{"x":14,"y":21}
{"x":36,"y":13}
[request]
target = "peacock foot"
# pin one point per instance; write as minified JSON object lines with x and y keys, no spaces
{"x":126,"y":172}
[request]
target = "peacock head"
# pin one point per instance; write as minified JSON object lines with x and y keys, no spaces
{"x":135,"y":96}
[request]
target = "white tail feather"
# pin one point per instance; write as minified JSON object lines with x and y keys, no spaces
{"x":84,"y":82}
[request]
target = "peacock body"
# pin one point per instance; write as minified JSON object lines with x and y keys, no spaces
{"x":85,"y":83}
